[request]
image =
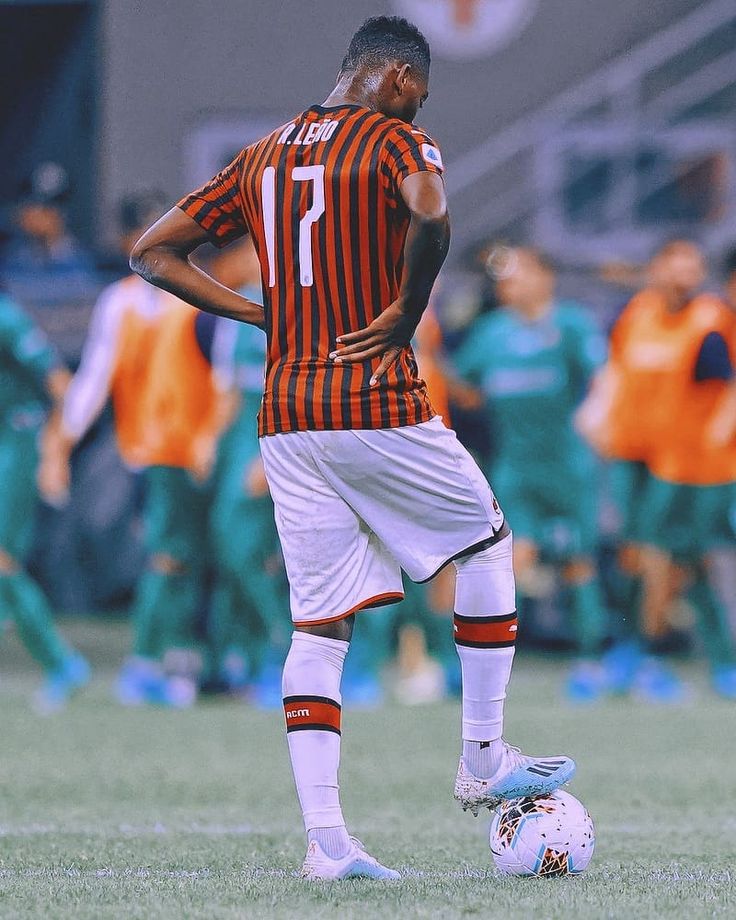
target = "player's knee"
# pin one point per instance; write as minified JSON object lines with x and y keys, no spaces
{"x":579,"y":571}
{"x":9,"y":565}
{"x":166,"y":564}
{"x":339,"y":629}
{"x":485,"y":581}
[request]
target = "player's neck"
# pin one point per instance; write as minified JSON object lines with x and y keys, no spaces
{"x":355,"y":89}
{"x":676,"y":300}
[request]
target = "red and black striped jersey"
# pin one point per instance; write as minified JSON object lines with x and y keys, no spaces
{"x":320,"y":198}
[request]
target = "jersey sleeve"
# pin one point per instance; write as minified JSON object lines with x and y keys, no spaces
{"x":90,"y":386}
{"x":410,"y":150}
{"x":218,"y":205}
{"x":26,"y":344}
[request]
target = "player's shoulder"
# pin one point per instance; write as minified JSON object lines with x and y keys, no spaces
{"x":410,"y":135}
{"x":711,"y":308}
{"x":408,"y":132}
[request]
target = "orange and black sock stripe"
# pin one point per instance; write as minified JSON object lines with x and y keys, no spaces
{"x":312,"y":713}
{"x":486,"y":632}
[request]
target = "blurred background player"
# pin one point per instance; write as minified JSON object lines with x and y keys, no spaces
{"x":533,"y":360}
{"x":151,"y":353}
{"x":31,"y":378}
{"x":672,"y":359}
{"x":249,"y":626}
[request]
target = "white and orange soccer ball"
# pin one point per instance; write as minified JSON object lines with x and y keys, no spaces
{"x":542,"y":836}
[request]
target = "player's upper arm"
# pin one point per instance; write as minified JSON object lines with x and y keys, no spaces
{"x":218,"y":206}
{"x":213,"y":213}
{"x":424,"y":195}
{"x":414,"y":166}
{"x":91,"y":384}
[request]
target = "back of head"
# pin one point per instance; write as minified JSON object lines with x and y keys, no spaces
{"x":383,"y":40}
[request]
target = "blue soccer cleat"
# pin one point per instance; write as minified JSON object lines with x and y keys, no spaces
{"x":144,"y":684}
{"x":655,"y":682}
{"x":517,"y":776}
{"x":318,"y":867}
{"x":621,"y":663}
{"x":586,"y":682}
{"x":61,"y":684}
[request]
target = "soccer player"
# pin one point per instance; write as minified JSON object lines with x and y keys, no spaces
{"x":31,"y":378}
{"x":346,"y":207}
{"x":669,"y":399}
{"x":534,"y":360}
{"x":151,"y":354}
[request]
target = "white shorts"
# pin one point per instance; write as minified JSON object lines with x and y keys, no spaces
{"x":355,"y":507}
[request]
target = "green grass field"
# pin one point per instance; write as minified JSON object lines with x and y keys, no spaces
{"x":107,"y":813}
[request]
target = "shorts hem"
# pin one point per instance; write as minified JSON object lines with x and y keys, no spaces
{"x":378,"y":600}
{"x":496,"y":537}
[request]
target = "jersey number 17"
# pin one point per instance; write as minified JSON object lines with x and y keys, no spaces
{"x":315,"y":175}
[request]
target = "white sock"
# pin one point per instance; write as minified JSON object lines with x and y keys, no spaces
{"x":485,"y":634}
{"x":311,"y":690}
{"x":334,"y":841}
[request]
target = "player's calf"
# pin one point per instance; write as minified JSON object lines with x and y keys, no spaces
{"x":485,"y":627}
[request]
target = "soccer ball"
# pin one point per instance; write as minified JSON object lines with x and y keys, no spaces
{"x":542,"y":836}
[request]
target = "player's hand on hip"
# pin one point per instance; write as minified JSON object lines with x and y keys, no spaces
{"x":386,"y":337}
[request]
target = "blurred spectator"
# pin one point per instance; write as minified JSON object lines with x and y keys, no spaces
{"x":45,"y":248}
{"x":31,"y":378}
{"x":665,"y":408}
{"x":533,"y":360}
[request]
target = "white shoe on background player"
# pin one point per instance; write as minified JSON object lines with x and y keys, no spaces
{"x":518,"y":775}
{"x":355,"y":864}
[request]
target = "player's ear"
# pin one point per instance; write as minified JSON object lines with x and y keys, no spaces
{"x":402,"y":75}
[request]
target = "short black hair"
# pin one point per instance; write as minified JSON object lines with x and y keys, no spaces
{"x":385,"y":38}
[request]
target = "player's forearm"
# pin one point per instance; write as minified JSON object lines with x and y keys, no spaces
{"x":172,"y":271}
{"x":57,"y":385}
{"x":425,"y":250}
